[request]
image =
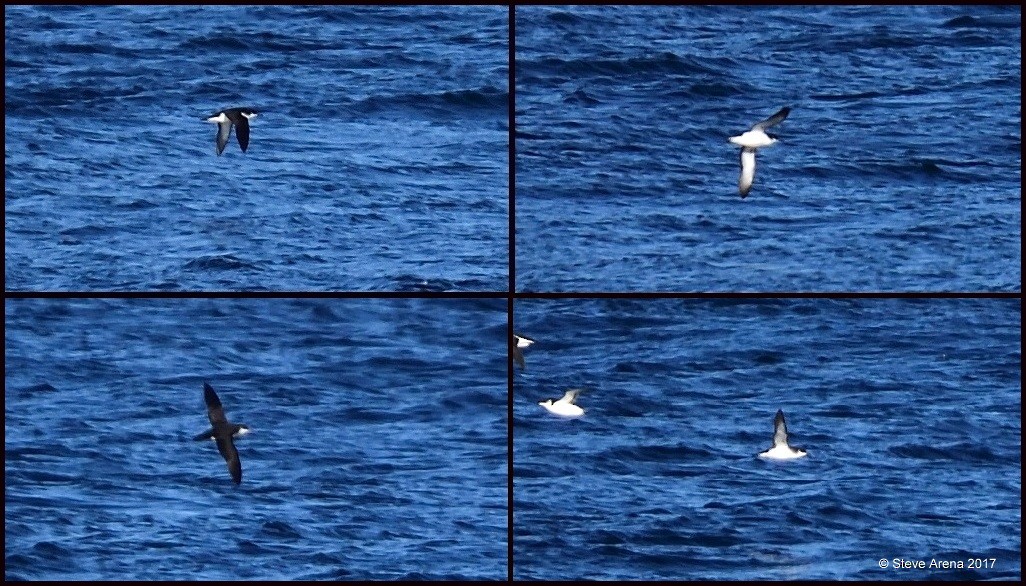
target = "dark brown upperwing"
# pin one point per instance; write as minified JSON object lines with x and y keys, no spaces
{"x":214,"y":410}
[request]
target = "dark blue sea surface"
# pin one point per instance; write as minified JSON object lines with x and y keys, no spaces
{"x":910,"y":412}
{"x":378,"y":447}
{"x":379,"y":159}
{"x":898,"y":169}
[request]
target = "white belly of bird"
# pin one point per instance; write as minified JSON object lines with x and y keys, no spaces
{"x":782,"y":453}
{"x":753,"y":139}
{"x":563,"y":409}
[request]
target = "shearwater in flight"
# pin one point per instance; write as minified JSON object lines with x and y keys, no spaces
{"x":749,"y":141}
{"x":780,"y":449}
{"x":564,"y":406}
{"x":226,"y":119}
{"x":222,"y":433}
{"x":518,"y":352}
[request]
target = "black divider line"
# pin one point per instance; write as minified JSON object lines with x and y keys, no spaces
{"x":765,"y":295}
{"x":256,"y":295}
{"x":511,"y":163}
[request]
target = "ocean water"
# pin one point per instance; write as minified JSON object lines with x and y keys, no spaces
{"x":379,"y":160}
{"x":379,"y":163}
{"x":910,"y":412}
{"x":376,"y":451}
{"x":898,"y":169}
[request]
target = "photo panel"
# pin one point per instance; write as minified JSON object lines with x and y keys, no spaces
{"x":352,"y":444}
{"x":768,"y":149}
{"x":269,"y":148}
{"x":900,"y":460}
{"x":366,"y":149}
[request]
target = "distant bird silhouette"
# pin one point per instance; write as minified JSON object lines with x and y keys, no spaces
{"x":226,"y":119}
{"x":781,"y":450}
{"x":518,"y":352}
{"x":222,"y":432}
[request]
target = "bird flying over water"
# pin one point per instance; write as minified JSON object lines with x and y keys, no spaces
{"x":232,"y":117}
{"x":755,"y":138}
{"x":222,"y":432}
{"x":518,"y":352}
{"x":565,"y":406}
{"x":781,"y":450}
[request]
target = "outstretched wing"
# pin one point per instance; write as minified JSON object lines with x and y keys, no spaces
{"x":214,"y":410}
{"x":224,"y":132}
{"x":744,"y":184}
{"x":773,"y":120}
{"x":242,"y":132}
{"x":571,"y":395}
{"x":779,"y":430}
{"x":226,"y":446}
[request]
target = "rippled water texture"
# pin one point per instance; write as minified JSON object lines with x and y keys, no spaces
{"x":379,"y":163}
{"x":379,"y":160}
{"x":375,"y":451}
{"x":899,"y":168}
{"x":910,"y":412}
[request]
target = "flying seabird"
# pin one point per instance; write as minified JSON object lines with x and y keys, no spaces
{"x":222,"y":433}
{"x":226,"y":119}
{"x":518,"y":353}
{"x":780,"y":449}
{"x":565,"y":406}
{"x":751,"y":140}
